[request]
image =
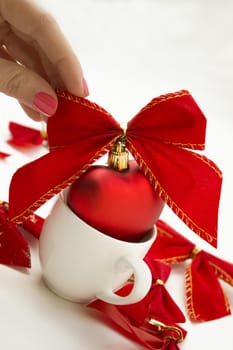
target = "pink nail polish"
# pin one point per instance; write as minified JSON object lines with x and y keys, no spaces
{"x":45,"y":103}
{"x":85,"y":87}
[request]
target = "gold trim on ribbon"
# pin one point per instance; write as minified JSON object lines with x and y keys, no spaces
{"x":189,"y":295}
{"x":165,"y":197}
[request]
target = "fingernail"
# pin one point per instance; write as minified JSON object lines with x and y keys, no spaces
{"x":45,"y":103}
{"x":85,"y":87}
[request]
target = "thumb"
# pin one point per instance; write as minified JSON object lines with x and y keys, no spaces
{"x":32,"y":91}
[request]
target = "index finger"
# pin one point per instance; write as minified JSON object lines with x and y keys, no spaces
{"x":28,"y":18}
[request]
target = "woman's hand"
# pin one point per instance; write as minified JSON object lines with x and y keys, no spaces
{"x":35,"y":58}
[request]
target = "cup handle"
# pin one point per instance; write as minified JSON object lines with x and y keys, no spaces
{"x":142,"y":283}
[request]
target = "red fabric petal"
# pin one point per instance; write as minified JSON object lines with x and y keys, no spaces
{"x":24,"y":135}
{"x":4,"y":155}
{"x":14,"y":250}
{"x":204,"y":295}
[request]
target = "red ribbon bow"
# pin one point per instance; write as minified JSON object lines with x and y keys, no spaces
{"x":158,"y":137}
{"x":205,"y":297}
{"x":157,"y":304}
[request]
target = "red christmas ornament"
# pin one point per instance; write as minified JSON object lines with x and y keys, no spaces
{"x":118,"y":200}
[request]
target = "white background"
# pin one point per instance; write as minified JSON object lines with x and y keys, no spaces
{"x":131,"y":51}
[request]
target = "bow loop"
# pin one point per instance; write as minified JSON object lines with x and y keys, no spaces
{"x":173,"y":119}
{"x":77,"y":120}
{"x":201,"y":276}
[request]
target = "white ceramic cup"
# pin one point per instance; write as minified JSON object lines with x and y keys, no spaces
{"x":80,"y":264}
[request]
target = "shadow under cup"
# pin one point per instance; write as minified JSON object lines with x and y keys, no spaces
{"x":79,"y":263}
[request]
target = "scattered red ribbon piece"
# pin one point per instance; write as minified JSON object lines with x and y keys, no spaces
{"x":152,"y":334}
{"x":24,"y":135}
{"x":159,"y":137}
{"x":14,"y":249}
{"x":4,"y":155}
{"x":205,"y":297}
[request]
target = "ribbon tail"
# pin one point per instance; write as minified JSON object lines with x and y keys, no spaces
{"x":162,"y":306}
{"x":50,"y":174}
{"x":205,"y":298}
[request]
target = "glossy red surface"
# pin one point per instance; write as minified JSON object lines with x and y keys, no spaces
{"x":120,"y":204}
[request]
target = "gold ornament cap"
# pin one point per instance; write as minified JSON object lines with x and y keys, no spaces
{"x":118,"y":157}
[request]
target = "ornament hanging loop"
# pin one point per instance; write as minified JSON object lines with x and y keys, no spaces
{"x":118,"y":157}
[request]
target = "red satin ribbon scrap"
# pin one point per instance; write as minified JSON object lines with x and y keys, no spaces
{"x":162,"y":138}
{"x":205,"y":297}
